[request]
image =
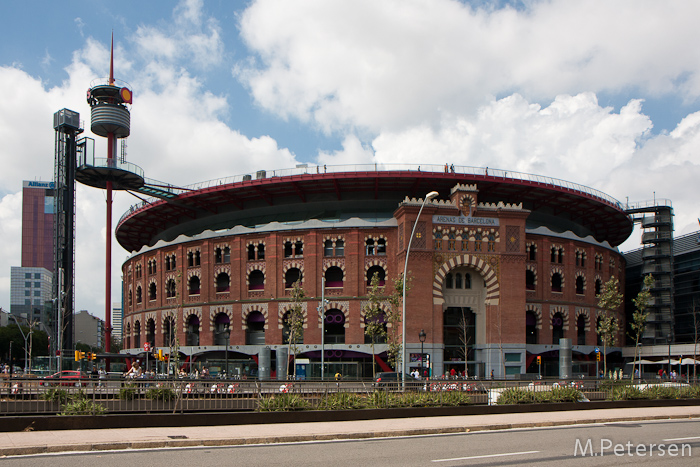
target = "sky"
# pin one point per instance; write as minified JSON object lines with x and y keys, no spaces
{"x":604,"y":94}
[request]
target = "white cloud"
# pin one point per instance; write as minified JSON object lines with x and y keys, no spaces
{"x":189,"y":37}
{"x":387,"y":65}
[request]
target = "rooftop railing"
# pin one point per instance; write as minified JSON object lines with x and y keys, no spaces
{"x":491,"y":173}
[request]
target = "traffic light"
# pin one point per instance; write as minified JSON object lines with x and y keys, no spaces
{"x":88,"y":355}
{"x":539,"y":360}
{"x":160,"y":355}
{"x":79,"y":355}
{"x":597,"y":356}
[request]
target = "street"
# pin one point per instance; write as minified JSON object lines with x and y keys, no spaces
{"x":664,"y":442}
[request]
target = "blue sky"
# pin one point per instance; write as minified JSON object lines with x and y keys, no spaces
{"x":605,"y":94}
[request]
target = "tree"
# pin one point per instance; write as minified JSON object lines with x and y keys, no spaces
{"x":375,"y":326}
{"x":465,"y":339}
{"x":608,"y":325}
{"x":295,"y":321}
{"x":640,"y":315}
{"x":394,"y":321}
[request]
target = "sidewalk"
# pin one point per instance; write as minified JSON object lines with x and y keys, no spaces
{"x":37,"y":442}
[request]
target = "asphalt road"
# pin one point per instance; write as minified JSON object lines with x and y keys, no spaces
{"x":667,"y":442}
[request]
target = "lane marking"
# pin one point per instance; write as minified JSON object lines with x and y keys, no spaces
{"x":681,"y":439}
{"x":485,"y":456}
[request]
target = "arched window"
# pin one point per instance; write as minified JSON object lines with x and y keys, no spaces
{"x":379,"y":337}
{"x":381,"y":275}
{"x":467,"y":280}
{"x":556,"y":282}
{"x":251,"y":252}
{"x":223,"y":282}
{"x":448,"y":281}
{"x":328,"y":248}
{"x":137,"y":334}
{"x":598,"y":286}
{"x":531,"y":336}
{"x":151,"y":332}
{"x":255,"y":329}
{"x":168,"y":331}
{"x":579,"y":285}
{"x":458,"y":281}
{"x":194,"y":285}
{"x":139,"y":294}
{"x":222,"y":329}
{"x":369,"y":247}
{"x":334,"y":277}
{"x":256,"y":280}
{"x":291,"y":276}
{"x":190,"y":259}
{"x":532,"y":254}
{"x":581,"y":330}
{"x":131,"y":297}
{"x":288,"y":251}
{"x":381,"y":246}
{"x":128,"y":336}
{"x":339,"y":247}
{"x":298,"y":338}
{"x":334,"y":327}
{"x":152,"y":291}
{"x":557,"y":328}
{"x":170,"y":288}
{"x":529,"y":279}
{"x":192,"y":337}
{"x":261,"y":251}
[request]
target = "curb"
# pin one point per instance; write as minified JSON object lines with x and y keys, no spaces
{"x":183,"y":443}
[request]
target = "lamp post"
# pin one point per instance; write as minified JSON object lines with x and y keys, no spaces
{"x":668,"y":339}
{"x":228,"y":337}
{"x":429,"y":196}
{"x":26,"y":344}
{"x":421,"y":337}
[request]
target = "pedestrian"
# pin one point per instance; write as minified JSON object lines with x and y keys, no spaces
{"x":324,"y":168}
{"x":452,"y":373}
{"x":491,"y":373}
{"x":452,"y":168}
{"x":446,"y":167}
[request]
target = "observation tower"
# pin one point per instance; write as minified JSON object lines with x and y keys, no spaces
{"x":111,"y":119}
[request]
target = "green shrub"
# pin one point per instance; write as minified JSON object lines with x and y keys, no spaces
{"x":626,"y":393}
{"x":526,"y":396}
{"x":161,"y":394}
{"x":661,"y":392}
{"x":342,"y":401}
{"x":566,"y":394}
{"x":128,"y":392}
{"x":690,"y":392}
{"x":81,"y":405}
{"x":55,"y":395}
{"x":518,"y":396}
{"x":282,"y":402}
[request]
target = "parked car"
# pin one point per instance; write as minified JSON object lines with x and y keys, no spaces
{"x":66,"y":378}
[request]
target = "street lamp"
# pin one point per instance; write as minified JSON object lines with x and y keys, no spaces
{"x":26,"y":344}
{"x":429,"y":196}
{"x":668,"y":339}
{"x":227,"y":333}
{"x":421,"y":337}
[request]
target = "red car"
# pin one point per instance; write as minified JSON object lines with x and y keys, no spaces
{"x":66,"y":378}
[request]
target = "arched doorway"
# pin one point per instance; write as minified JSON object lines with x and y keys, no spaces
{"x":464,"y":326}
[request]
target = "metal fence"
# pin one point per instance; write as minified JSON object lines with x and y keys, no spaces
{"x":25,"y":396}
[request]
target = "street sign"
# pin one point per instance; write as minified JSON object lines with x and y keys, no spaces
{"x":147,"y":346}
{"x":597,"y":350}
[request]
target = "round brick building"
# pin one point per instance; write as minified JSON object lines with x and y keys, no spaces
{"x":503,"y":264}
